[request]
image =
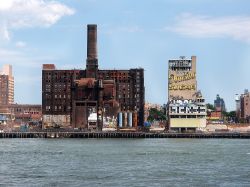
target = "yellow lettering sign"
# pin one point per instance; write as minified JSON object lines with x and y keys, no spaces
{"x":181,"y":87}
{"x":187,"y":76}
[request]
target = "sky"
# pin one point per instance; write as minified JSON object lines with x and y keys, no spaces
{"x":131,"y":34}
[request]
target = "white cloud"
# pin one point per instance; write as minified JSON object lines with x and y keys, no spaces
{"x":5,"y":5}
{"x":20,"y":44}
{"x":30,"y":13}
{"x":4,"y":33}
{"x":235,"y":27}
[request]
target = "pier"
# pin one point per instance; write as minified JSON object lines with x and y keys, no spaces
{"x":228,"y":135}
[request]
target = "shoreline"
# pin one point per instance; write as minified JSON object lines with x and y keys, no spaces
{"x":61,"y":135}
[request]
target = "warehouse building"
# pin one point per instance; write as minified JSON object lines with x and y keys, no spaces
{"x":92,"y":98}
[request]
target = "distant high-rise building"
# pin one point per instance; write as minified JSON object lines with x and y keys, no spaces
{"x":243,"y":104}
{"x":186,"y":106}
{"x":90,"y":98}
{"x":6,"y":85}
{"x":219,"y":104}
{"x":237,"y":111}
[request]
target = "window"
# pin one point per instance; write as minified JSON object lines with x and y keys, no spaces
{"x":47,"y":108}
{"x":47,"y":96}
{"x":47,"y":87}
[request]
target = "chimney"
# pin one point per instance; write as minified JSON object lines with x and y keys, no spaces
{"x":92,"y":61}
{"x":92,"y":42}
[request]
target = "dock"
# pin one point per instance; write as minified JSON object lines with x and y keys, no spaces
{"x":229,"y":135}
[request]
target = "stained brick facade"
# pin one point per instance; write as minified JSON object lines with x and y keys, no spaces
{"x":71,"y":97}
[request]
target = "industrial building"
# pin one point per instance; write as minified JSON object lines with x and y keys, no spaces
{"x":186,"y":106}
{"x":92,"y":98}
{"x":25,"y":113}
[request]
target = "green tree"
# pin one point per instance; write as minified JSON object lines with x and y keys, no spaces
{"x":230,"y":116}
{"x":155,"y":114}
{"x":210,"y":106}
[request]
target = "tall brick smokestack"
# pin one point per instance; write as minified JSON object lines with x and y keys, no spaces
{"x":92,"y":41}
{"x":92,"y":61}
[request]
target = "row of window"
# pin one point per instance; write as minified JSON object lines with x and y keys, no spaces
{"x":59,"y":80}
{"x":186,"y":110}
{"x":187,"y":116}
{"x":48,"y":96}
{"x":58,"y":108}
{"x":180,"y":69}
{"x":129,"y":107}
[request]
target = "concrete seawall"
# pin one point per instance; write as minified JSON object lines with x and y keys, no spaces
{"x":122,"y":135}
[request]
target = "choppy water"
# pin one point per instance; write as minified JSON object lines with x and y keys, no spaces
{"x":124,"y":162}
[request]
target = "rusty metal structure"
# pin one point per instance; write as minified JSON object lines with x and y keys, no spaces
{"x":86,"y":99}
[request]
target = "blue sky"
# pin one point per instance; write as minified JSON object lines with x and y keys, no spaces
{"x":131,"y":34}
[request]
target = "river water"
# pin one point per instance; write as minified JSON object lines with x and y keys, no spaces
{"x":124,"y":162}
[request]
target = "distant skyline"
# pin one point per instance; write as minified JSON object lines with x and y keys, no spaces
{"x":131,"y":34}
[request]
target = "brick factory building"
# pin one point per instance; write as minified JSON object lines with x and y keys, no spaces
{"x":92,"y":98}
{"x":24,"y":113}
{"x":186,"y":106}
